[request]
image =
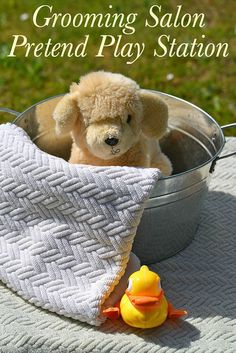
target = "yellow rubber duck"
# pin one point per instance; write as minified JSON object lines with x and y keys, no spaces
{"x":144,"y":304}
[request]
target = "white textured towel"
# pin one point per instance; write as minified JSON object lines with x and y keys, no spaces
{"x":66,"y":231}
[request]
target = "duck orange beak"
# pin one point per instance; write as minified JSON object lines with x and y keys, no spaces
{"x":143,"y":301}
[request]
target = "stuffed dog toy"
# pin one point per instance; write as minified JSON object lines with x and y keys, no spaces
{"x":113,"y":122}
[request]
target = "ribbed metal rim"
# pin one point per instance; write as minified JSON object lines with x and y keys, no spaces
{"x":211,"y":119}
{"x":167,"y":95}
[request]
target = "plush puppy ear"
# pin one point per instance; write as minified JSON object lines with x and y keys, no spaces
{"x":66,"y":113}
{"x":155,"y":115}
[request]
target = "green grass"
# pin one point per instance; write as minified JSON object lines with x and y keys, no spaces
{"x":207,"y":82}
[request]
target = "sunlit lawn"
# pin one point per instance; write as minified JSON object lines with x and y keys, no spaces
{"x":207,"y":82}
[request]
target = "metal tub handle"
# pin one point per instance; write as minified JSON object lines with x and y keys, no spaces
{"x":228,"y":126}
{"x":10,"y":111}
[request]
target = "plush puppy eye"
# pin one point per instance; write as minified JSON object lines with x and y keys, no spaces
{"x":129,"y":119}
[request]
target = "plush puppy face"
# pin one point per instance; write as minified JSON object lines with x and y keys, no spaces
{"x":110,"y":114}
{"x":107,"y":113}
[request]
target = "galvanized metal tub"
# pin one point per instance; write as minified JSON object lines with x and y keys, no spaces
{"x":172,"y":214}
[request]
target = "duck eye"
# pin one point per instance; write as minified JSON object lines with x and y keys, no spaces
{"x":129,"y":119}
{"x":129,"y":285}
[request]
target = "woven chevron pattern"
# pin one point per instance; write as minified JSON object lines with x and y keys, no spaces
{"x":66,"y":231}
{"x":201,"y":278}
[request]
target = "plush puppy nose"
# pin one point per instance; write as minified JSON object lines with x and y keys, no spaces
{"x":111,"y":141}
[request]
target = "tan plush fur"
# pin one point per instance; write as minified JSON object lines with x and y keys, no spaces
{"x":113,"y":122}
